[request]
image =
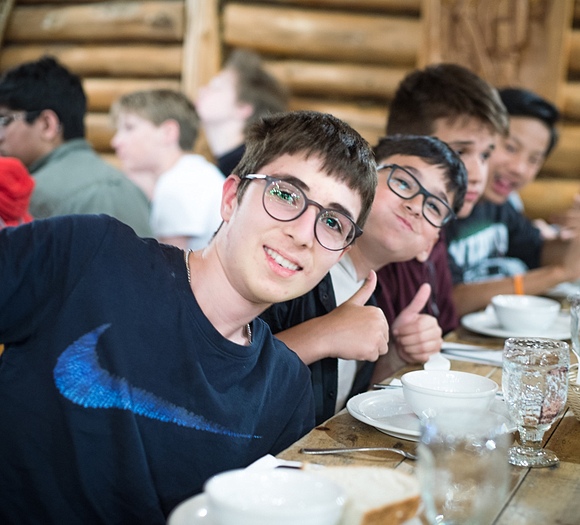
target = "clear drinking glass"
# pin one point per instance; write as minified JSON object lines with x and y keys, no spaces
{"x":535,"y":388}
{"x":462,"y":466}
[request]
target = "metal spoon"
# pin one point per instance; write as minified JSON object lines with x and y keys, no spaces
{"x":403,"y":453}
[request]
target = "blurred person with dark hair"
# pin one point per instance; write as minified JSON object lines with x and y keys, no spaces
{"x":42,"y":110}
{"x":241,"y":93}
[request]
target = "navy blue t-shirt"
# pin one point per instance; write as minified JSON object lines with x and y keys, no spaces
{"x":119,"y":399}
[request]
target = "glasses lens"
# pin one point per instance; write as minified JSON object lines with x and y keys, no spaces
{"x":283,"y":200}
{"x":403,"y":183}
{"x":435,"y":211}
{"x":5,"y":120}
{"x":334,"y":230}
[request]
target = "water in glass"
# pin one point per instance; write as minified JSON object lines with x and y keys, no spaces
{"x":535,"y":387}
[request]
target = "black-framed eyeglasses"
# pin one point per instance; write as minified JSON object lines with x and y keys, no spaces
{"x":284,"y":201}
{"x":404,"y":184}
{"x":6,"y":120}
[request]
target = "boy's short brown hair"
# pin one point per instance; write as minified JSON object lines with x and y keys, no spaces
{"x":447,"y":91}
{"x":344,"y":154}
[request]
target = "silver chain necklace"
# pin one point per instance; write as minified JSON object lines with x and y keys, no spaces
{"x":247,"y":329}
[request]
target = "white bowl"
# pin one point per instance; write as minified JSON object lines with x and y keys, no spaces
{"x":277,"y":496}
{"x":523,"y":313}
{"x":428,"y":392}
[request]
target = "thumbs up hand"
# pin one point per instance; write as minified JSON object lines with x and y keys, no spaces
{"x":416,"y":335}
{"x":359,"y":332}
{"x":350,"y":331}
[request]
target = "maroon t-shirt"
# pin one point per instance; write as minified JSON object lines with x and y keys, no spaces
{"x":398,"y":283}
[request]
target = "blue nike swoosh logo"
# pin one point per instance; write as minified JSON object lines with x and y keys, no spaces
{"x":79,"y":377}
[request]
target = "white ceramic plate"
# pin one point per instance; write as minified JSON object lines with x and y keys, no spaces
{"x":387,"y":411}
{"x":192,"y":511}
{"x":486,"y":323}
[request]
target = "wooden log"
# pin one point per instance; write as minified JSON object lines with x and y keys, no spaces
{"x":103,"y":22}
{"x":337,"y":79}
{"x":6,"y":7}
{"x":565,"y":160}
{"x":36,"y":2}
{"x":102,"y":92}
{"x":574,"y":63}
{"x":507,"y":42}
{"x":388,"y":6}
{"x":99,"y":131}
{"x":322,"y":35}
{"x":571,"y":100}
{"x":546,"y":196}
{"x":120,"y":61}
{"x":203,"y":33}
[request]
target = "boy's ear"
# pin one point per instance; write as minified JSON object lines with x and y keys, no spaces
{"x":171,"y":131}
{"x":244,"y":110}
{"x":229,"y":197}
{"x":49,"y":125}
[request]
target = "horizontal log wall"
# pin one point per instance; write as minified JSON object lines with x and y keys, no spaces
{"x":115,"y":46}
{"x":342,"y":56}
{"x":348,"y":60}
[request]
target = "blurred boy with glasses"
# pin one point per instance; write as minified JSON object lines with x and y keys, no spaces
{"x":132,"y":370}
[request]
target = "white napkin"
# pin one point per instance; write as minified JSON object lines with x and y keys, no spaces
{"x":269,"y":462}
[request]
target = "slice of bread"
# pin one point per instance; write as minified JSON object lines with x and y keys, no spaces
{"x":376,"y":495}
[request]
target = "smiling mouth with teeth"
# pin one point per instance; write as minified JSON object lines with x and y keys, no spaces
{"x":285,"y":263}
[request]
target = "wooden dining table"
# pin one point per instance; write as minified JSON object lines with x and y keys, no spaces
{"x":536,"y":496}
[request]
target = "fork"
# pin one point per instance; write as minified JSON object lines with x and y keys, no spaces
{"x":402,"y":452}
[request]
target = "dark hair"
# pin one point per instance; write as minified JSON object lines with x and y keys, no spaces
{"x":446,"y":91}
{"x":432,"y":151}
{"x":46,"y":84}
{"x":523,"y":103}
{"x":344,"y":154}
{"x":256,"y":86}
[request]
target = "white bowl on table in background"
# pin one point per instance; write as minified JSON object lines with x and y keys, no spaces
{"x":276,"y":496}
{"x":525,"y":313}
{"x":428,"y":392}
